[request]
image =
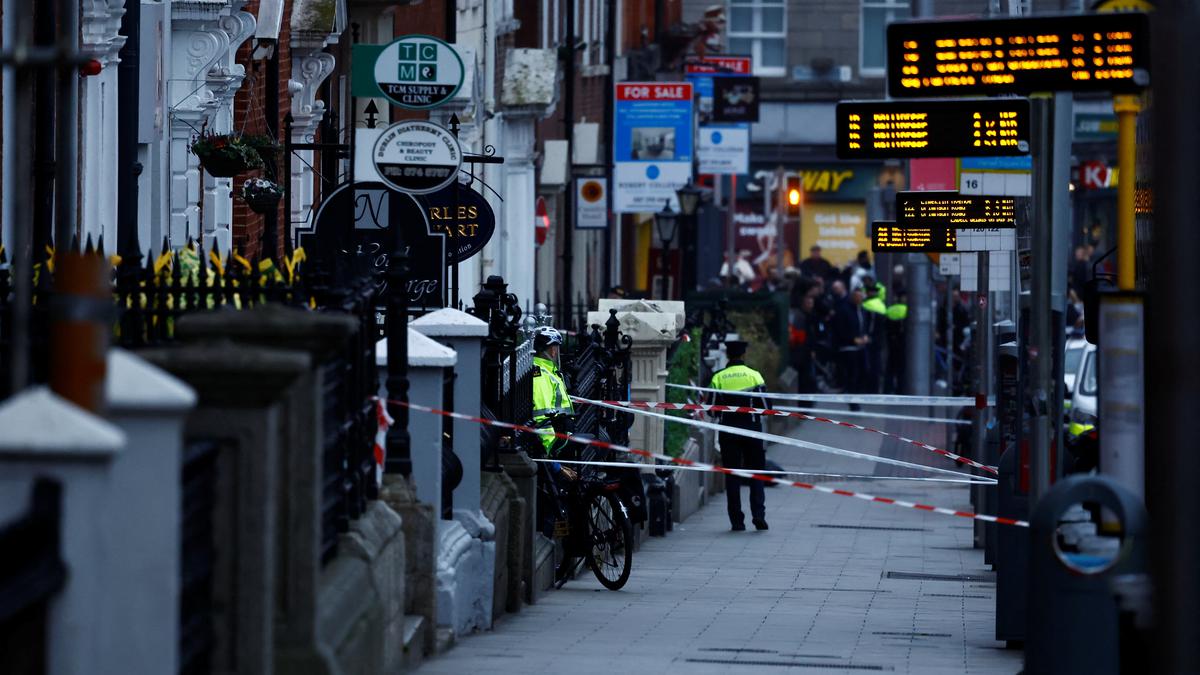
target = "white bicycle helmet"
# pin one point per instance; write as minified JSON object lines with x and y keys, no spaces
{"x":544,"y":337}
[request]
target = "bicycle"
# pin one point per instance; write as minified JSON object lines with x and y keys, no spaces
{"x":590,"y":516}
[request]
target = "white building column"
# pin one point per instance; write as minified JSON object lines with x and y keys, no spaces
{"x":100,"y":24}
{"x":315,"y":24}
{"x":204,"y":39}
{"x":224,"y":80}
{"x":515,"y":219}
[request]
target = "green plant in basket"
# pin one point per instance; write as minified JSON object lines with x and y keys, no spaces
{"x":225,"y":155}
{"x":261,"y":194}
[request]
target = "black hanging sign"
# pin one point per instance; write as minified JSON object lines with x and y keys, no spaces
{"x":378,"y":212}
{"x":464,"y":216}
{"x":735,"y":99}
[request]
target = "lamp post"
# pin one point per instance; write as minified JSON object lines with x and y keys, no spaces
{"x":689,"y":201}
{"x":665,"y":222}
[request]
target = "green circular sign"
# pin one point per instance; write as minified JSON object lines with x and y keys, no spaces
{"x":419,"y":72}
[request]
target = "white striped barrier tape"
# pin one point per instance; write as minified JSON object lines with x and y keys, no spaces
{"x":784,"y":440}
{"x":763,"y":472}
{"x":680,"y":461}
{"x":879,"y":415}
{"x":774,"y":412}
{"x":860,"y":399}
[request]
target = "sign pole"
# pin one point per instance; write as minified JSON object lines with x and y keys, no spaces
{"x":1041,"y":349}
{"x":1127,"y":108}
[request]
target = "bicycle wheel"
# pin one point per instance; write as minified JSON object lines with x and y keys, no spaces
{"x":611,"y":538}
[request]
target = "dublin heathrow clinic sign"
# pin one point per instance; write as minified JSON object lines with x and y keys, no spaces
{"x":418,"y":72}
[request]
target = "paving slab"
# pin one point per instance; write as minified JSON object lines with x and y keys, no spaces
{"x":837,"y":585}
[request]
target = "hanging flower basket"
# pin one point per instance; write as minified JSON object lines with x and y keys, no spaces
{"x":225,"y":155}
{"x":262,"y":195}
{"x":264,"y":145}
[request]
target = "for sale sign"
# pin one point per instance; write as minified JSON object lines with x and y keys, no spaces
{"x":652,"y":144}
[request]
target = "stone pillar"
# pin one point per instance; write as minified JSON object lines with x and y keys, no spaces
{"x":240,"y":389}
{"x":419,"y":502}
{"x":141,"y":591}
{"x":653,"y":326}
{"x":466,"y":549}
{"x":303,"y":634}
{"x":464,"y":334}
{"x":46,"y":436}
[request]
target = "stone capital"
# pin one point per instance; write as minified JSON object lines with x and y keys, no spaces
{"x":100,"y":28}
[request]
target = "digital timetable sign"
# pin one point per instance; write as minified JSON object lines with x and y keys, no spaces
{"x":987,"y":127}
{"x":951,"y":209}
{"x":889,"y":236}
{"x":1079,"y":52}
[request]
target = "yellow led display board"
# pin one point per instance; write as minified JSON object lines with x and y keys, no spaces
{"x":891,"y":237}
{"x":954,"y":210}
{"x":1078,"y":52}
{"x":987,"y":127}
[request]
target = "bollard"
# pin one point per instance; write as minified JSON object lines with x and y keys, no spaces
{"x":659,"y":509}
{"x":1012,"y":551}
{"x":1085,"y":533}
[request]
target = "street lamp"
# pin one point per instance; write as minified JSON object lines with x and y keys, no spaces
{"x":689,"y":203}
{"x":689,"y":198}
{"x":665,"y":222}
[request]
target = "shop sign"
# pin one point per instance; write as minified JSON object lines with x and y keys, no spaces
{"x":1097,"y":176}
{"x":418,"y":72}
{"x":355,"y":231}
{"x":417,"y":157}
{"x":463,"y":216}
{"x":839,"y":229}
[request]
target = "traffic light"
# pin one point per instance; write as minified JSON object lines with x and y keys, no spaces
{"x":793,"y":194}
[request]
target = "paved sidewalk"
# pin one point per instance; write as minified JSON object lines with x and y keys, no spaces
{"x":837,"y":585}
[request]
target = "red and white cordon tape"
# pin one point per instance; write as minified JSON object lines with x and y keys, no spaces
{"x":383,"y":422}
{"x":772,"y":412}
{"x":718,"y":469}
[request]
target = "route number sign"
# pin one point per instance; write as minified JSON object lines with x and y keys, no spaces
{"x":992,"y":127}
{"x":1077,"y":52}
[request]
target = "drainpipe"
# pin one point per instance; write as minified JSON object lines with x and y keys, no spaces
{"x":128,"y":104}
{"x":45,"y":21}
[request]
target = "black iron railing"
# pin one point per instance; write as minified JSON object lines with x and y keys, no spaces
{"x":31,"y":574}
{"x":198,"y":491}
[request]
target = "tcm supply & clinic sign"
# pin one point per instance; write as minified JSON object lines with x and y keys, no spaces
{"x":418,"y":72}
{"x":652,"y":144}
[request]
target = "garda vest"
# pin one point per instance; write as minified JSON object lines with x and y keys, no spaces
{"x":549,"y":398}
{"x":897,"y":312}
{"x":737,"y":377}
{"x":875,"y":305}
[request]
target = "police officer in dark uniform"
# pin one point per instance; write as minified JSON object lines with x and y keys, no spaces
{"x":740,"y":452}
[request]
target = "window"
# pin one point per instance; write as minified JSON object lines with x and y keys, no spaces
{"x":876,"y":15}
{"x":759,"y":28}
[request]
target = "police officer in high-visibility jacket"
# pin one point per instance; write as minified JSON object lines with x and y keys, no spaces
{"x":552,"y":409}
{"x":740,"y":452}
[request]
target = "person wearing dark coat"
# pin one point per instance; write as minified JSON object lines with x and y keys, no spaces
{"x":850,"y":337}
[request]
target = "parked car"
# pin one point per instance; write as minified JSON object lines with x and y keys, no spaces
{"x":1072,"y":355}
{"x":1083,"y":401}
